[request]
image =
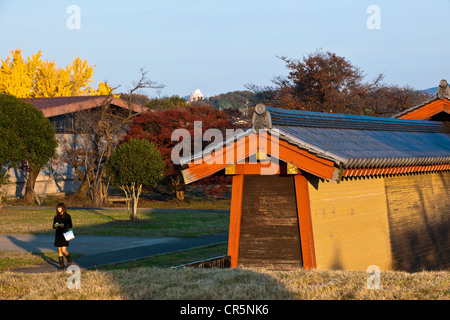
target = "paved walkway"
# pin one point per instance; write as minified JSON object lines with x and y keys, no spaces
{"x":103,"y":250}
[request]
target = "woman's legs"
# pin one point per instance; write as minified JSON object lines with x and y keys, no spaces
{"x":62,"y":251}
{"x":60,"y":258}
{"x":66,"y":253}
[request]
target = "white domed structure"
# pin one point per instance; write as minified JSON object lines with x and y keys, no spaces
{"x":196,"y":95}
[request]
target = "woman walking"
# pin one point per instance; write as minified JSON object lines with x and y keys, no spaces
{"x":61,"y":223}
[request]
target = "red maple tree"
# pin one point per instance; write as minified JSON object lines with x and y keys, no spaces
{"x":158,"y":126}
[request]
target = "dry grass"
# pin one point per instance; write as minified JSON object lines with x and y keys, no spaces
{"x":137,"y":283}
{"x":11,"y":259}
{"x":224,"y":284}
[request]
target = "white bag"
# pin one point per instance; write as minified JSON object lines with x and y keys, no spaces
{"x":69,"y":235}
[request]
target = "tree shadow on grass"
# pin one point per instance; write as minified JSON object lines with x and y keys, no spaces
{"x":198,"y":284}
{"x":34,"y":249}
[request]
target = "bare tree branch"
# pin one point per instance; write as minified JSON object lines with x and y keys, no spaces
{"x":99,"y":131}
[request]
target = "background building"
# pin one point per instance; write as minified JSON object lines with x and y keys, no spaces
{"x":196,"y":96}
{"x":58,"y":176}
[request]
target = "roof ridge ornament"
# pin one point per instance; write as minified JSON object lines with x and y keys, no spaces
{"x":261,"y":118}
{"x":443,"y":91}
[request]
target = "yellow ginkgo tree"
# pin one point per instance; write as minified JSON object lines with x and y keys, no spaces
{"x":33,"y":77}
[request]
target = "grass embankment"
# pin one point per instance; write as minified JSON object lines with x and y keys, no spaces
{"x":153,"y":279}
{"x":224,"y":284}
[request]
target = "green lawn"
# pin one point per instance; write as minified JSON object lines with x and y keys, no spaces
{"x":173,"y":259}
{"x":10,"y":260}
{"x":151,"y":222}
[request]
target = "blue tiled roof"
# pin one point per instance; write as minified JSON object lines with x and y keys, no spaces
{"x":347,"y":121}
{"x":360,"y":141}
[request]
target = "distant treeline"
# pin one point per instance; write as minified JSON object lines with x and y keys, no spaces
{"x":229,"y":100}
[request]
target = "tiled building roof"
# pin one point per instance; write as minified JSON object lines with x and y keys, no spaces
{"x":56,"y":106}
{"x":360,"y":141}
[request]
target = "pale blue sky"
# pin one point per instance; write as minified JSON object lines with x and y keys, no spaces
{"x":218,"y":46}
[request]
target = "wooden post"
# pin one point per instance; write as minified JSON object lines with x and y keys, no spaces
{"x":304,"y":221}
{"x":235,"y":218}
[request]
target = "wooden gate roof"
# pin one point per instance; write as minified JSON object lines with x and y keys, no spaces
{"x":426,"y":110}
{"x":334,"y":145}
{"x":436,"y":107}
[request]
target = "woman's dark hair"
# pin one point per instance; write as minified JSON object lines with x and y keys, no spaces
{"x":63,"y":207}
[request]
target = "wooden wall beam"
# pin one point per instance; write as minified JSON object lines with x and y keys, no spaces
{"x":235,"y":218}
{"x":255,"y":168}
{"x":305,"y":223}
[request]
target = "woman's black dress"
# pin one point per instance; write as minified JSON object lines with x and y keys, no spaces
{"x":60,"y":241}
